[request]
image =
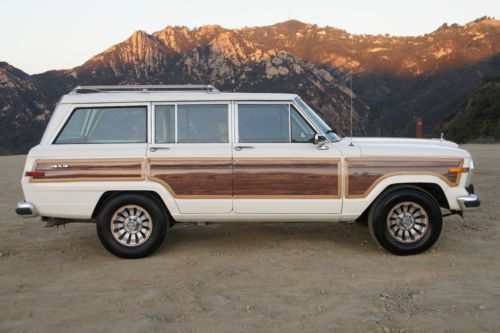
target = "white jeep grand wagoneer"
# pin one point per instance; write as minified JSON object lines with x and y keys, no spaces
{"x":137,"y":159}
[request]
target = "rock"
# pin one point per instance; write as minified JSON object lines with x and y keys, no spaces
{"x":482,"y":307}
{"x":387,"y":329}
{"x":1,"y":254}
{"x":384,"y":296}
{"x":375,"y":319}
{"x":221,"y":300}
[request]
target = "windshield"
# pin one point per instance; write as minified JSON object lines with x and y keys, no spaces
{"x":317,"y":120}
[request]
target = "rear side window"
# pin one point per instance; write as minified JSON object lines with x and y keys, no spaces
{"x":192,"y":123}
{"x":202,"y":123}
{"x":105,"y":125}
{"x":258,"y":123}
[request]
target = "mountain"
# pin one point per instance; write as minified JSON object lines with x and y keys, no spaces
{"x":395,"y":79}
{"x":24,"y":110}
{"x":479,"y":119}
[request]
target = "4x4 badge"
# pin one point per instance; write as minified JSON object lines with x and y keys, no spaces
{"x":60,"y":166}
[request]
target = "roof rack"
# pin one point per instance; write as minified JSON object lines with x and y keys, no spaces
{"x":145,"y":88}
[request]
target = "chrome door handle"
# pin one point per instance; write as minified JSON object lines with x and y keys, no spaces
{"x":238,"y":148}
{"x":153,"y":149}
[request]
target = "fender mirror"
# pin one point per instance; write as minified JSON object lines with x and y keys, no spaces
{"x":321,"y":141}
{"x":319,"y":138}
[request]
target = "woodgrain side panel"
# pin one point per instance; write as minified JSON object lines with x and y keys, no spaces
{"x":60,"y":170}
{"x":363,"y":174}
{"x":193,"y":178}
{"x":286,"y":178}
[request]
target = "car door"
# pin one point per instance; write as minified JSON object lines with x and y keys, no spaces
{"x":276,"y":167}
{"x":191,"y":156}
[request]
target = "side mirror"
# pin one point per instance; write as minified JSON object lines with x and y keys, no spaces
{"x":320,"y":140}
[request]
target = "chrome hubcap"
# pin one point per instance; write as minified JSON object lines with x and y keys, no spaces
{"x":407,"y":222}
{"x":131,"y":225}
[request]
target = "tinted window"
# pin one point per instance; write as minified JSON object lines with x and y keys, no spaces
{"x":202,"y":123}
{"x":268,"y":123}
{"x":165,"y":124}
{"x":301,"y":131}
{"x":105,"y":125}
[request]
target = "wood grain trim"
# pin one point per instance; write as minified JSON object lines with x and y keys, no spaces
{"x":367,"y":181}
{"x":193,"y":178}
{"x":95,"y":170}
{"x":287,"y":178}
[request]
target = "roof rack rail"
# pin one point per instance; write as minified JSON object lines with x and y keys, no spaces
{"x":145,"y":88}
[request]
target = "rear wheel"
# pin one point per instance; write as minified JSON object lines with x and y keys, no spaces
{"x":405,"y":221}
{"x":132,"y":225}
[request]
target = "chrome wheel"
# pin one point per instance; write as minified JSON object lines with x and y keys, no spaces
{"x":407,"y":222}
{"x":131,"y":225}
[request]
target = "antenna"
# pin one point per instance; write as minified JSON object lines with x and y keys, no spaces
{"x":350,"y":95}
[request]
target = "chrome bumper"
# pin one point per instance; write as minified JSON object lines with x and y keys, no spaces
{"x":26,"y":209}
{"x":469,"y":201}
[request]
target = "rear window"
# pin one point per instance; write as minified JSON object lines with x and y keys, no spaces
{"x":105,"y":125}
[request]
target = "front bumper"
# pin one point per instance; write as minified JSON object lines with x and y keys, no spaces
{"x":26,"y":209}
{"x":469,"y":201}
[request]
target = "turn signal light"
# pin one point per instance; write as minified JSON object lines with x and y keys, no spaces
{"x":458,"y":170}
{"x":34,"y":173}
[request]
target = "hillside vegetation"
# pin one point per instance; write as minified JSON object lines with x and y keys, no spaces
{"x":479,"y":120}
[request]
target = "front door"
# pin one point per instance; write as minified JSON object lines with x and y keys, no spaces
{"x":191,"y":155}
{"x":276,"y":166}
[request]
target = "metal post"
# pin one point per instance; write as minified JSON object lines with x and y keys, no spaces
{"x":419,"y":128}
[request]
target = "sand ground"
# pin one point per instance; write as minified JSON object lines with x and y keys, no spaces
{"x":252,"y":277}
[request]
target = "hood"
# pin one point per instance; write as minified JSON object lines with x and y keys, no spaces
{"x":407,"y":147}
{"x":406,"y":141}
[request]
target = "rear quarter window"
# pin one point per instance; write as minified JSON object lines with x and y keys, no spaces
{"x":100,"y":125}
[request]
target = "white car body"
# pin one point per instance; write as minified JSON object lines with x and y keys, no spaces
{"x":78,"y":197}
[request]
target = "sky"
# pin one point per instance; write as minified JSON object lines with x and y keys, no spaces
{"x":37,"y":35}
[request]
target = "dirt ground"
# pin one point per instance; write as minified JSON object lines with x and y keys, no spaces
{"x":252,"y":277}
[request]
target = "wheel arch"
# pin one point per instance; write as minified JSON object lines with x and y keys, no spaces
{"x":111,"y":194}
{"x":435,"y":190}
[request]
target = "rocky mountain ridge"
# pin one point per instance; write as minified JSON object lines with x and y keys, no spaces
{"x":395,"y":78}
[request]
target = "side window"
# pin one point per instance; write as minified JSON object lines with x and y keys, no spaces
{"x":301,"y":131}
{"x":164,"y":123}
{"x":196,"y":123}
{"x":263,"y":123}
{"x":105,"y":125}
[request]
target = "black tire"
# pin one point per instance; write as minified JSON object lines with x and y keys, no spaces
{"x":142,"y":203}
{"x":388,"y":231}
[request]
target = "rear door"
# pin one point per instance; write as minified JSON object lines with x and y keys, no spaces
{"x":276,"y":166}
{"x":191,"y":155}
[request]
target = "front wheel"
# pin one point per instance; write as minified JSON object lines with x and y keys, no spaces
{"x":405,"y":221}
{"x":132,"y":225}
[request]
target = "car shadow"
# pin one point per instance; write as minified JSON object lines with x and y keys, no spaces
{"x":243,"y":237}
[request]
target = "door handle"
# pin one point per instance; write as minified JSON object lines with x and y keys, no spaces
{"x":238,"y":148}
{"x":153,"y":149}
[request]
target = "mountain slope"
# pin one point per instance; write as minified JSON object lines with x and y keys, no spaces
{"x":23,"y":110}
{"x":479,"y":120}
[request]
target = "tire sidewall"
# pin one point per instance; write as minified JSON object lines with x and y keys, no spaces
{"x":380,"y":229}
{"x":159,"y":222}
